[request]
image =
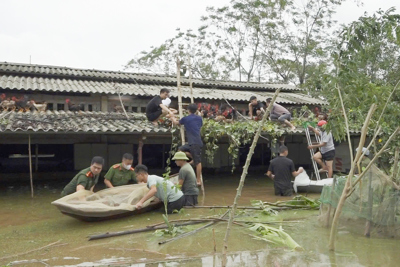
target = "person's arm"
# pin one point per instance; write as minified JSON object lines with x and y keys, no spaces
{"x":251,"y":111}
{"x":300,"y":170}
{"x":164,"y":107}
{"x":81,"y":183}
{"x":270,"y":175}
{"x":108,"y":183}
{"x":314,"y":130}
{"x":151,"y":193}
{"x":317,"y":145}
{"x":79,"y":187}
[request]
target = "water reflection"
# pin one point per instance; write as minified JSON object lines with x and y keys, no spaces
{"x":27,"y":224}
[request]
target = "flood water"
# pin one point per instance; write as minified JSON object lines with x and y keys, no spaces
{"x":29,"y":224}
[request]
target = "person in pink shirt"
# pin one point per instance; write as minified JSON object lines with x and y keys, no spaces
{"x":281,"y":114}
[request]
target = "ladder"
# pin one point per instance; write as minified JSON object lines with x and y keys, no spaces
{"x":318,"y":139}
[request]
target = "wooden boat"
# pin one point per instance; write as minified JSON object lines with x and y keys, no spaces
{"x":106,"y":204}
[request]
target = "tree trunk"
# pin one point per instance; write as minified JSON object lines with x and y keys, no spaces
{"x":243,"y":178}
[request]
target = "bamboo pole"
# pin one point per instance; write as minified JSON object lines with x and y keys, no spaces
{"x":194,"y":231}
{"x":178,"y":79}
{"x":30,"y":164}
{"x":348,"y":184}
{"x":140,"y":230}
{"x":190,"y":81}
{"x":243,"y":178}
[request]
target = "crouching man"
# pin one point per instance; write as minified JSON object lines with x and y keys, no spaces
{"x":187,"y":179}
{"x":174,"y":197}
{"x":86,"y":179}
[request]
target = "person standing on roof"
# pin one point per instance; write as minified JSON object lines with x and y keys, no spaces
{"x":256,"y":108}
{"x":281,"y":170}
{"x":121,"y":173}
{"x":86,"y":179}
{"x":155,"y":109}
{"x":193,"y":124}
{"x":327,"y":148}
{"x":280,"y":113}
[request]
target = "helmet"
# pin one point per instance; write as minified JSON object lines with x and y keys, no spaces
{"x":321,"y":123}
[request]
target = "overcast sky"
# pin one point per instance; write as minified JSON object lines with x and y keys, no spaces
{"x":98,"y":34}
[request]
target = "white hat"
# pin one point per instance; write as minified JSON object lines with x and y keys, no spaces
{"x":364,"y":151}
{"x":166,"y":101}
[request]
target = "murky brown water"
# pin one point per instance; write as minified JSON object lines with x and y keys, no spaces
{"x":27,"y":224}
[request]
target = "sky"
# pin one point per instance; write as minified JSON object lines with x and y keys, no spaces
{"x":105,"y":35}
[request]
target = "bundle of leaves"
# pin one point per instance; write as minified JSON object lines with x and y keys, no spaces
{"x":274,"y":235}
{"x":298,"y":202}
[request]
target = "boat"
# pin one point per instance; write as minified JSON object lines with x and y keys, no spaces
{"x":106,"y":204}
{"x":303,"y":184}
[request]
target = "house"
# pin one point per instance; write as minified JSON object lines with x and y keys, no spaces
{"x":66,"y":140}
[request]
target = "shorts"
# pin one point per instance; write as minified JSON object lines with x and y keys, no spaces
{"x":330,"y":155}
{"x":190,"y":200}
{"x":176,"y":205}
{"x":287,"y":192}
{"x":195,"y":152}
{"x":154,"y":116}
{"x":282,"y":118}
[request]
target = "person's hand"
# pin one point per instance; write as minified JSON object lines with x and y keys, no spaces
{"x":300,"y":170}
{"x":139,"y":205}
{"x":310,"y":147}
{"x":198,"y":183}
{"x":272,"y":176}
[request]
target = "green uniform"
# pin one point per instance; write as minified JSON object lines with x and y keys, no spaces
{"x":118,"y":175}
{"x":85,"y":178}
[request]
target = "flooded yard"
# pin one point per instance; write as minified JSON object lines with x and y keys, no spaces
{"x":35,"y":233}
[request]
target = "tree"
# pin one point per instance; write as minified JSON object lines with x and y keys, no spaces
{"x":251,"y":40}
{"x":362,"y":81}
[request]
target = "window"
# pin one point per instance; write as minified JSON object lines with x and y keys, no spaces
{"x":134,"y":109}
{"x":50,"y":106}
{"x":90,"y":107}
{"x":60,"y":106}
{"x":143,"y":109}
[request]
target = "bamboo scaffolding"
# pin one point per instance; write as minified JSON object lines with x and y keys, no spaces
{"x":178,"y":78}
{"x":243,"y":178}
{"x":30,"y":164}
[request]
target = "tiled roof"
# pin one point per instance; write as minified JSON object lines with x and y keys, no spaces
{"x":118,"y":76}
{"x":78,"y":122}
{"x":68,"y":80}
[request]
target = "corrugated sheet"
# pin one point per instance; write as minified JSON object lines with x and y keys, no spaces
{"x":28,"y":69}
{"x":78,"y":122}
{"x":89,"y":86}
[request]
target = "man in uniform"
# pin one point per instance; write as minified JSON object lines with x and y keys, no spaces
{"x":175,"y":198}
{"x":156,"y":109}
{"x":256,"y":108}
{"x":86,"y":179}
{"x":121,"y":173}
{"x":281,"y":170}
{"x":186,"y":179}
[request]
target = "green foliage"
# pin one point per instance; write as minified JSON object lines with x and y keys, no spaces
{"x":239,"y":133}
{"x":250,"y":40}
{"x":367,"y":70}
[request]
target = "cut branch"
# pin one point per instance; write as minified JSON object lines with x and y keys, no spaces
{"x":243,"y":178}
